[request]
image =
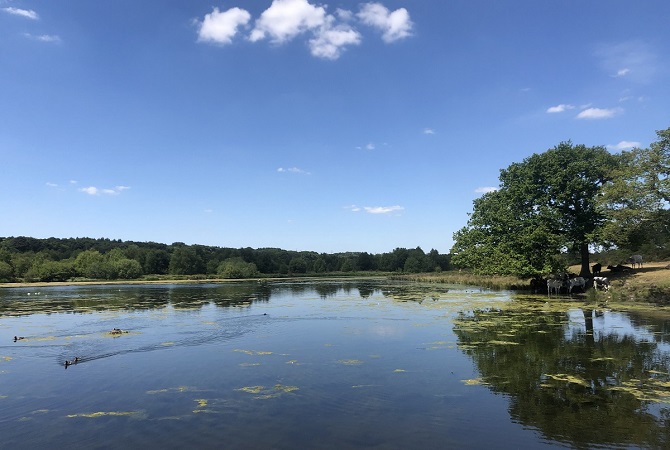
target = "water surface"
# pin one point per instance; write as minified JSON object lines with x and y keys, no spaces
{"x":356,"y":364}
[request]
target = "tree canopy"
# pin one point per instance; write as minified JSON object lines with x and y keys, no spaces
{"x":544,"y":205}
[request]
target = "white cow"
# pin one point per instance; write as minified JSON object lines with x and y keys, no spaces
{"x":601,"y":282}
{"x":554,"y":285}
{"x":577,"y":281}
{"x":635,"y":260}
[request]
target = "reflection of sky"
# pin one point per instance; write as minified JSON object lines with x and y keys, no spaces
{"x":611,"y":324}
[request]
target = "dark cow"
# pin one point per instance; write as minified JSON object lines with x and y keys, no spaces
{"x":596,"y":268}
{"x":619,"y":268}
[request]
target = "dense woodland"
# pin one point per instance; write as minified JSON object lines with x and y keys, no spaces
{"x":53,"y":259}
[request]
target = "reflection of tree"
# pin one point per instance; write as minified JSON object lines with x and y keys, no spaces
{"x":326,"y":290}
{"x":411,"y":292}
{"x":571,"y":388}
{"x":238,"y":294}
{"x":366,"y":289}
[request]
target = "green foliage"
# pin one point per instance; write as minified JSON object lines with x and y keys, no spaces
{"x":297,"y":265}
{"x":544,"y":204}
{"x":47,"y":270}
{"x":237,"y":268}
{"x":347,"y":266}
{"x":126,"y":269}
{"x":6,"y":272}
{"x":156,"y":262}
{"x":91,"y":264}
{"x":185,"y":261}
{"x":636,"y":202}
{"x":319,"y":265}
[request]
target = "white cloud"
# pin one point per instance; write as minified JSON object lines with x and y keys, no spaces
{"x":383,"y":209}
{"x":599,"y":113}
{"x":285,"y":19}
{"x":293,"y":170}
{"x":394,"y":25}
{"x":623,"y":145}
{"x":43,"y":37}
{"x":559,"y":108}
{"x":27,"y":13}
{"x":53,"y":185}
{"x":622,"y":72}
{"x":485,"y":189}
{"x":331,"y":39}
{"x":428,"y":131}
{"x":353,"y":208}
{"x":92,"y":190}
{"x":220,"y":27}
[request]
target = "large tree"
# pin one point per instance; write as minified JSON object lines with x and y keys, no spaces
{"x":544,"y":205}
{"x":636,"y":201}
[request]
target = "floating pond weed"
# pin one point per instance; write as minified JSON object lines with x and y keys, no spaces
{"x":262,"y":393}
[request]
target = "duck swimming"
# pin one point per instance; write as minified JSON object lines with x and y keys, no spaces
{"x":74,"y":361}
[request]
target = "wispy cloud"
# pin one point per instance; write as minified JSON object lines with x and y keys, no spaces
{"x":369,"y":146}
{"x":383,"y":209}
{"x":559,"y":108}
{"x":624,"y":145}
{"x":27,"y":13}
{"x":285,"y":20}
{"x":376,"y":209}
{"x":622,"y":72}
{"x":485,"y":189}
{"x":428,"y":131}
{"x":43,"y":37}
{"x":92,"y":190}
{"x":635,"y":60}
{"x":293,"y":170}
{"x":53,"y":185}
{"x":599,"y":113}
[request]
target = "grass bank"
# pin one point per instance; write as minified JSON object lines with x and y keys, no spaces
{"x":199,"y":279}
{"x":648,"y":284}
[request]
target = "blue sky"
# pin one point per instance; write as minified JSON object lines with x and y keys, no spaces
{"x":340,"y":126}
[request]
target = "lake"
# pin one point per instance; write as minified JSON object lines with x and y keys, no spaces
{"x":328,"y":365}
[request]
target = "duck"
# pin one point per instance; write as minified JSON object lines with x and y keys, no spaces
{"x":18,"y":338}
{"x":73,"y":361}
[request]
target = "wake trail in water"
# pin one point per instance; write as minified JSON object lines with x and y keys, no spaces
{"x":89,"y":351}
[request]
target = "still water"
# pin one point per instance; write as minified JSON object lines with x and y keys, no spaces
{"x":329,"y":364}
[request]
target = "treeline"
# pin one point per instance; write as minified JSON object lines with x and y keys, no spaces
{"x":54,"y":259}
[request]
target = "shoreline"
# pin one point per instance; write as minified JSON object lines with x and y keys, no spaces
{"x":179,"y":281}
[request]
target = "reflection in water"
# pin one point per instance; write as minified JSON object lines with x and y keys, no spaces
{"x":569,"y":376}
{"x":329,"y":364}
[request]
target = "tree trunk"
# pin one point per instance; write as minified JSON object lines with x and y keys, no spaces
{"x":584,"y":252}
